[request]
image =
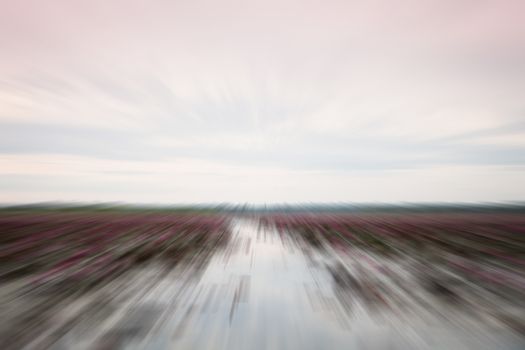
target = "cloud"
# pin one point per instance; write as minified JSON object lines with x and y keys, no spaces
{"x":337,"y":87}
{"x":36,"y":179}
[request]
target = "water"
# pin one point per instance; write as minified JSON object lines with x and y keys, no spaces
{"x":266,"y":291}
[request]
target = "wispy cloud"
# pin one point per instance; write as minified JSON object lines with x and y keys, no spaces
{"x":266,"y":101}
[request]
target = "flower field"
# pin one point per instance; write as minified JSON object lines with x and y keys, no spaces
{"x":87,"y":278}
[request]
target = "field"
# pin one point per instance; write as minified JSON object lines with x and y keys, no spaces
{"x":111,"y":278}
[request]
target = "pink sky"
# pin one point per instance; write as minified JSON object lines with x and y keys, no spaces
{"x":268,"y":101}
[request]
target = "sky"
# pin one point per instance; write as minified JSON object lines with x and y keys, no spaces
{"x":156,"y":101}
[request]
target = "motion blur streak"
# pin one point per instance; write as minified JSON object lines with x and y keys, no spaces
{"x":282,"y":278}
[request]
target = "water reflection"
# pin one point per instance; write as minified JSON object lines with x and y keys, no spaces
{"x":267,"y":284}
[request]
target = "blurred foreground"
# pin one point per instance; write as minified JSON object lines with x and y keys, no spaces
{"x":295,"y":279}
